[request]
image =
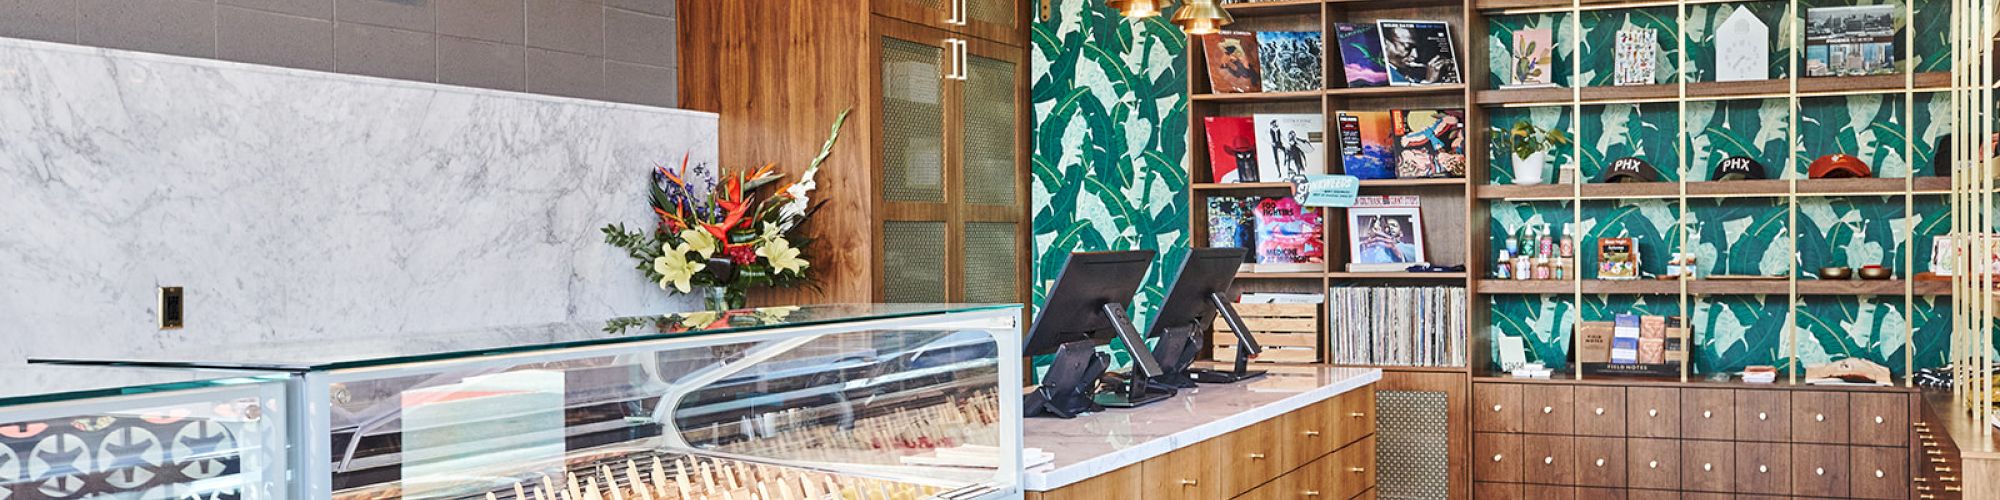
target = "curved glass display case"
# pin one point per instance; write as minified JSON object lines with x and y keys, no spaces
{"x":97,"y":432}
{"x":834,"y":401}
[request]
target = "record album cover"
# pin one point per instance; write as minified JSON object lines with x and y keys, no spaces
{"x":1230,"y":225}
{"x":1291,"y":60}
{"x":1360,"y":55}
{"x":1232,"y":149}
{"x":1365,"y":146}
{"x":1232,"y":62}
{"x":1429,"y":142}
{"x":1290,"y":146}
{"x":1418,"y":52}
{"x":1289,"y":236}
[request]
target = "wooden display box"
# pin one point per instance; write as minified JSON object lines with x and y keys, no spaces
{"x":1288,"y":332}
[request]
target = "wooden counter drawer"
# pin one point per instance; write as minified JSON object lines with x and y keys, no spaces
{"x":1653,"y":412}
{"x":1638,"y":494}
{"x":1879,"y":419}
{"x":1497,"y":491}
{"x":1353,"y":416}
{"x":1548,"y":459}
{"x":1708,"y":414}
{"x":1541,"y":491}
{"x":1708,"y":466}
{"x":1308,"y":433}
{"x":1600,"y":411}
{"x":1764,"y":468}
{"x":1496,"y":407}
{"x":1300,"y":485}
{"x":1602,"y":493}
{"x":1879,"y":473}
{"x":1496,"y":457}
{"x":1189,"y":473}
{"x":1351,"y":470}
{"x":1763,"y":415}
{"x":1250,"y":456}
{"x":1600,"y":461}
{"x":1819,"y":470}
{"x":1548,"y":409}
{"x":1653,"y":463}
{"x":1819,"y":417}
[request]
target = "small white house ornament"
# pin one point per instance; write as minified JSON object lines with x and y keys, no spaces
{"x":1742,"y":48}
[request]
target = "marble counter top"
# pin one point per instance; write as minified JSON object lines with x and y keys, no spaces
{"x":1095,"y":444}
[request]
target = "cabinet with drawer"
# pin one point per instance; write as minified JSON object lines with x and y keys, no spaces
{"x":1693,"y":441}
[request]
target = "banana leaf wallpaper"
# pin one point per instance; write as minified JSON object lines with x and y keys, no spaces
{"x":1600,"y":42}
{"x":1544,"y":117}
{"x":1741,"y":236}
{"x":1647,"y":131}
{"x":1736,"y":331}
{"x":1704,"y":19}
{"x":1110,"y":141}
{"x":1500,"y":45}
{"x":1755,"y":128}
{"x":1869,"y":126}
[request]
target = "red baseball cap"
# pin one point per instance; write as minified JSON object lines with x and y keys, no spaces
{"x":1838,"y":166}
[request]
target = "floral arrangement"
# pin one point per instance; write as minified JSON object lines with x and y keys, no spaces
{"x":728,"y":238}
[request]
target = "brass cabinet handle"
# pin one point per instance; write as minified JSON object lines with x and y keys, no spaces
{"x":1357,"y":414}
{"x":1949,"y":479}
{"x":1190,"y":482}
{"x":1357,"y":470}
{"x":1953,"y":489}
{"x":1937,"y":460}
{"x":1256,"y":456}
{"x":1923,"y":489}
{"x":1312,"y":433}
{"x":1311,"y":493}
{"x":1933,"y":452}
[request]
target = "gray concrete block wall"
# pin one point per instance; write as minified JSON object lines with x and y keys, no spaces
{"x":614,"y":50}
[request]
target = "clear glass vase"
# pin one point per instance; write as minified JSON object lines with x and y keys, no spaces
{"x":722,"y":298}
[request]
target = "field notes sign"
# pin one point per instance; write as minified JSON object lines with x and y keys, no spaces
{"x":1327,"y":190}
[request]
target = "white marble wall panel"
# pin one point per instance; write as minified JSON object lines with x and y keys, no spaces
{"x":297,"y":204}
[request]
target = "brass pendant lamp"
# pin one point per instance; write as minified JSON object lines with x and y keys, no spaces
{"x":1202,"y":17}
{"x":1135,"y":8}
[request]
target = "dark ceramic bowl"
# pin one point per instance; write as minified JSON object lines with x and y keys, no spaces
{"x":1835,"y":273}
{"x":1874,"y":273}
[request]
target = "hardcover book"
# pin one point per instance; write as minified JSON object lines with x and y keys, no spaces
{"x":1851,"y":41}
{"x":1289,"y":236}
{"x":1291,"y":60}
{"x":1636,"y":56}
{"x":1418,"y":52}
{"x":1360,"y":55}
{"x":1232,"y":148}
{"x":1365,"y":147}
{"x":1232,"y":62}
{"x":1533,"y":63}
{"x":1429,"y":142}
{"x":1290,"y":147}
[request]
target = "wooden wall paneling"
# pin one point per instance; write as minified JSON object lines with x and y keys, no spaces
{"x":1114,"y":484}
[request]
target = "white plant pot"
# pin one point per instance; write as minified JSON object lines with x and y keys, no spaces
{"x":1532,"y":169}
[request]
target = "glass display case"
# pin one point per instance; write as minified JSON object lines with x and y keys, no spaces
{"x":97,"y":432}
{"x":832,"y":401}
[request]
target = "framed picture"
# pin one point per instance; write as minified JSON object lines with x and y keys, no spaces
{"x":1385,"y":233}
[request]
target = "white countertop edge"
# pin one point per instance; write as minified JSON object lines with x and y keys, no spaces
{"x":1041,"y":481}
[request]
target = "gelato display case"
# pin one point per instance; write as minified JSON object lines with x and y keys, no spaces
{"x":98,"y":432}
{"x":870,"y":401}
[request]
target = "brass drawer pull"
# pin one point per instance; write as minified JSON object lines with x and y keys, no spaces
{"x":1312,"y":434}
{"x":1942,"y":470}
{"x":1933,"y":452}
{"x":1948,"y":479}
{"x":1311,"y":493}
{"x":1953,"y":489}
{"x":1357,"y":470}
{"x":1357,"y":414}
{"x":1190,"y":482}
{"x":1256,"y":456}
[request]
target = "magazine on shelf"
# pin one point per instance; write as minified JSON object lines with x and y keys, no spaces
{"x":1360,"y":55}
{"x":1290,"y":146}
{"x":1290,"y":60}
{"x":1418,"y":52}
{"x":1232,"y":148}
{"x":1385,"y":234}
{"x":1232,"y":62}
{"x":1851,"y":41}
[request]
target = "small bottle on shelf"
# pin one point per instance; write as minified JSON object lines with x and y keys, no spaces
{"x":1504,"y":269}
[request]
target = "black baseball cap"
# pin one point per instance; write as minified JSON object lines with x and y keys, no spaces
{"x":1629,"y":169}
{"x":1736,"y":168}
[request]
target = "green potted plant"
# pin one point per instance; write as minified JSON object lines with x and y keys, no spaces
{"x":1530,"y":146}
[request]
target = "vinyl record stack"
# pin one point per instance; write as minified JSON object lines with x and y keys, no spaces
{"x":1396,"y":326}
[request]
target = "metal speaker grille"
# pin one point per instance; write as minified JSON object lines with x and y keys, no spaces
{"x":1412,"y":448}
{"x":912,"y":121}
{"x":992,"y":262}
{"x":999,"y":12}
{"x":990,"y":114}
{"x":913,"y":261}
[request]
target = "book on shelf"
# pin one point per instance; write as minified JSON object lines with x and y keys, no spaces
{"x":1289,"y":236}
{"x":1418,"y":53}
{"x":1290,"y":60}
{"x":1232,"y":148}
{"x":1532,"y":65}
{"x":1851,"y":40}
{"x":1290,"y":146}
{"x":1232,"y":62}
{"x":1430,"y":143}
{"x":1230,"y":225}
{"x":1365,"y":147}
{"x":1637,"y":56}
{"x":1360,"y":55}
{"x":1396,"y":326}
